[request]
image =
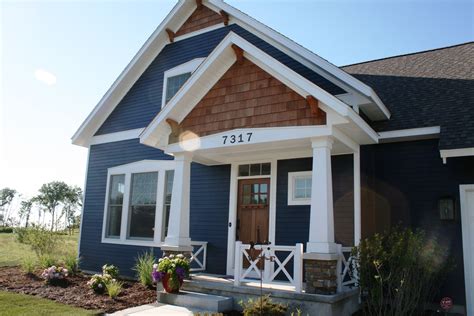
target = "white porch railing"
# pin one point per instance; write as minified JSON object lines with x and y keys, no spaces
{"x":272,"y":268}
{"x":198,"y":256}
{"x":346,"y":268}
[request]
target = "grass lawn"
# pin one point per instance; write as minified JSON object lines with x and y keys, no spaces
{"x":12,"y":252}
{"x":13,"y":304}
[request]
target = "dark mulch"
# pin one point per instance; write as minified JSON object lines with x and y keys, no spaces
{"x":76,"y":292}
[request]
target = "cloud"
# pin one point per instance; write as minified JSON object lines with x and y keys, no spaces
{"x":45,"y":77}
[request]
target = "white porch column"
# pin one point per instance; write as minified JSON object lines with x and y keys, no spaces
{"x":321,"y":226}
{"x":178,"y":228}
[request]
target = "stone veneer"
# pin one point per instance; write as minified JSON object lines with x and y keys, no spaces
{"x":321,"y":276}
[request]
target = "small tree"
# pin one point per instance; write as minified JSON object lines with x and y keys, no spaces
{"x":6,"y":197}
{"x":72,"y":203}
{"x":50,"y":196}
{"x":25,"y":210}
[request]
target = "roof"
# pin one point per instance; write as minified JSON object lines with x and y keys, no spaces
{"x":178,"y":15}
{"x":429,"y":88}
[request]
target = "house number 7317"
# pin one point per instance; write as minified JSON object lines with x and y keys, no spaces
{"x":239,"y":138}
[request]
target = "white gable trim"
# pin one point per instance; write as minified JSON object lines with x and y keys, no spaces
{"x":116,"y":137}
{"x":177,"y":16}
{"x":214,"y":67}
{"x":461,"y":152}
{"x":410,"y":134}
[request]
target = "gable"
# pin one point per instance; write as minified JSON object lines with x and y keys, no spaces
{"x":247,"y":96}
{"x":201,"y":18}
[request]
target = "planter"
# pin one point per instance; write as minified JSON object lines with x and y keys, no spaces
{"x":167,"y":286}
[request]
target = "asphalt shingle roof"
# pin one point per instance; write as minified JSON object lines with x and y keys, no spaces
{"x":431,"y":88}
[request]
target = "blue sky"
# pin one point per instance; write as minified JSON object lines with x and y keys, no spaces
{"x":59,"y":57}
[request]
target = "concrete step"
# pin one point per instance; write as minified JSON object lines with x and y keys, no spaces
{"x":204,"y":302}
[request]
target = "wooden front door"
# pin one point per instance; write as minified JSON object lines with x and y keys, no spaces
{"x":252,"y":210}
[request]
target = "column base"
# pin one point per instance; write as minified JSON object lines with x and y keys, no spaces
{"x":321,"y":247}
{"x":321,"y":273}
{"x":175,"y":250}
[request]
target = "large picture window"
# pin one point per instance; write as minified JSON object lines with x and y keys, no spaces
{"x":138,"y":203}
{"x":299,"y":188}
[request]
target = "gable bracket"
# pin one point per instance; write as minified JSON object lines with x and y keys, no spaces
{"x":175,"y":130}
{"x":171,"y":35}
{"x":314,"y":104}
{"x":225,"y":17}
{"x":239,"y":53}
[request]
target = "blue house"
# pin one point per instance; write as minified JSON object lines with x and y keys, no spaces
{"x":221,"y":133}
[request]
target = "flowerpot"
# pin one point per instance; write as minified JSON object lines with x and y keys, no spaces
{"x":167,"y":286}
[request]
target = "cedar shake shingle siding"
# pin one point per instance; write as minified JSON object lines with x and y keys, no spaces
{"x":201,"y":18}
{"x":247,"y":96}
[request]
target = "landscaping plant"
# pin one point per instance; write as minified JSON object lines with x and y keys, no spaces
{"x":144,"y":268}
{"x":71,"y":262}
{"x":98,"y":282}
{"x":171,"y":271}
{"x":28,"y":265}
{"x":114,"y":288}
{"x":55,"y":275}
{"x":399,"y":272}
{"x":263,"y":306}
{"x":111,"y":270}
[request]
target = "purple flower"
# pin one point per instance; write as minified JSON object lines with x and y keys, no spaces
{"x":181,"y":273}
{"x":157,"y":276}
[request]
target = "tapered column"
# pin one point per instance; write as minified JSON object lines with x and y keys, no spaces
{"x":178,"y":239}
{"x":321,"y":227}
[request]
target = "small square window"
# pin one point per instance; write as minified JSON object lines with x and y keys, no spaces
{"x":244,"y":170}
{"x":175,"y":83}
{"x":299,"y":188}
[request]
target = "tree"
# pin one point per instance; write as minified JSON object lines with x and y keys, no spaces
{"x":25,"y":210}
{"x":51,"y":195}
{"x":71,"y":204}
{"x":6,"y":197}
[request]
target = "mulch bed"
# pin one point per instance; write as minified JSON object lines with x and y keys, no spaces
{"x":76,"y":293}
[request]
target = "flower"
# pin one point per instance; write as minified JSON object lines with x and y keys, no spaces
{"x":181,"y":273}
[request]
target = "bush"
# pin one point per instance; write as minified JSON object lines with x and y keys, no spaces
{"x":114,"y":288}
{"x":54,"y":274}
{"x":6,"y":230}
{"x":263,"y":306}
{"x":28,"y":265}
{"x":42,"y":241}
{"x":98,"y":282}
{"x":71,"y":262}
{"x":111,"y":270}
{"x":46,"y":261}
{"x":21,"y":235}
{"x":399,"y":271}
{"x":144,"y":268}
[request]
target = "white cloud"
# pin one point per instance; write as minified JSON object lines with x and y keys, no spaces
{"x":45,"y":77}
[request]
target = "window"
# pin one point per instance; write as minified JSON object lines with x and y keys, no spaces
{"x":258,"y":169}
{"x":174,"y":78}
{"x":115,"y":204}
{"x":174,"y":83}
{"x":299,"y":188}
{"x":138,"y":203}
{"x":142,"y":205}
{"x":167,"y":202}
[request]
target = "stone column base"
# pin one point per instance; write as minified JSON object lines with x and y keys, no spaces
{"x":321,"y":273}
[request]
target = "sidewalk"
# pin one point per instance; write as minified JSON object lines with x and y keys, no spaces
{"x":153,"y":310}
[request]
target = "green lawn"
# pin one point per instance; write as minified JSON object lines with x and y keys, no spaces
{"x":13,"y":304}
{"x":12,"y":252}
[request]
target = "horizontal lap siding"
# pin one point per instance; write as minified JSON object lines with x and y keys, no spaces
{"x":292,"y":221}
{"x":143,"y":101}
{"x":408,"y":181}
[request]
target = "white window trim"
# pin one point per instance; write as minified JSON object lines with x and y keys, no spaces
{"x":189,"y":66}
{"x":160,"y":166}
{"x":291,"y":182}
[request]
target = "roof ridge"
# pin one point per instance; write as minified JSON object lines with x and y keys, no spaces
{"x":408,"y":54}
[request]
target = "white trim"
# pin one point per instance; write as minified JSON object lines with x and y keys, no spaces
{"x":461,"y":152}
{"x":159,"y":166}
{"x":233,"y":200}
{"x":468,"y":248}
{"x":199,"y":32}
{"x":292,"y":176}
{"x":357,"y":199}
{"x":159,"y":39}
{"x":186,"y":67}
{"x":83,"y":204}
{"x":409,"y":134}
{"x":116,"y":137}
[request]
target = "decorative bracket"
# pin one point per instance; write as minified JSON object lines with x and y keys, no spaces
{"x":225,"y":17}
{"x":175,"y":128}
{"x":314,"y":104}
{"x":171,"y":35}
{"x":239,"y":53}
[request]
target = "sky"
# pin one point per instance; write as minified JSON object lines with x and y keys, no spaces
{"x":58,"y":58}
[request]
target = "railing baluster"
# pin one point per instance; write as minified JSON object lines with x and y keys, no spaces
{"x":238,"y":263}
{"x":298,"y":268}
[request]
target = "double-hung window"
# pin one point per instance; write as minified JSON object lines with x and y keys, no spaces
{"x":299,"y":188}
{"x":138,"y":203}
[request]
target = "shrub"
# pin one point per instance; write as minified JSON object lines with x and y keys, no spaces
{"x":98,"y":282}
{"x":46,"y":261}
{"x":71,"y":262}
{"x":21,"y":235}
{"x":28,"y":265}
{"x":114,"y":288}
{"x":144,"y":268}
{"x":6,"y":230}
{"x":263,"y":306}
{"x":54,"y":274}
{"x":399,"y":271}
{"x":42,"y":241}
{"x":111,"y":270}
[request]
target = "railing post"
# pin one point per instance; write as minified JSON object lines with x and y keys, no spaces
{"x":298,"y":268}
{"x":339,"y":268}
{"x":237,"y":263}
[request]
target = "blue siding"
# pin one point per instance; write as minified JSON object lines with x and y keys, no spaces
{"x":292,"y":221}
{"x":143,"y":102}
{"x":209,"y":208}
